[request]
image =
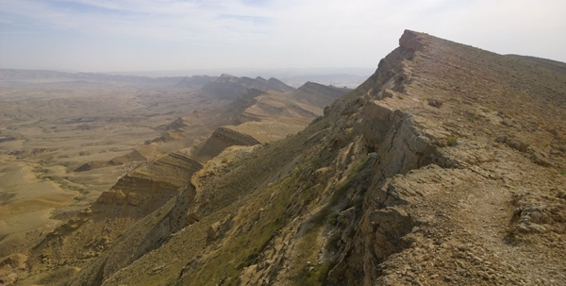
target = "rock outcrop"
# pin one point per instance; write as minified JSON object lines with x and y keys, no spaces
{"x":177,"y":124}
{"x":222,"y":138}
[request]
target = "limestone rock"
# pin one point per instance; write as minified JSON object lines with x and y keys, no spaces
{"x":412,"y":41}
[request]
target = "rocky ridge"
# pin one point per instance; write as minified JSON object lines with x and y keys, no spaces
{"x":445,"y":167}
{"x":400,"y":189}
{"x":318,"y":94}
{"x":230,"y":87}
{"x":258,"y":117}
{"x":222,"y":138}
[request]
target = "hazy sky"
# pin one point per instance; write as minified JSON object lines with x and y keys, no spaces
{"x":129,"y":35}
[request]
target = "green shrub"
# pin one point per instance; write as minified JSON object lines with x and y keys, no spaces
{"x":317,"y":275}
{"x":452,"y":140}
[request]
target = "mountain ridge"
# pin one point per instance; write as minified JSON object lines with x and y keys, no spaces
{"x":442,"y":168}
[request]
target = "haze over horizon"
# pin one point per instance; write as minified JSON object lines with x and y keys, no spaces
{"x":127,"y":35}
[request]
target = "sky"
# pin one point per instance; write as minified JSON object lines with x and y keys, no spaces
{"x":146,"y":35}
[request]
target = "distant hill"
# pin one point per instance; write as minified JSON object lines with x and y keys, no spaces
{"x":266,"y":116}
{"x":15,"y":75}
{"x":318,"y":94}
{"x":230,"y":87}
{"x":195,"y":81}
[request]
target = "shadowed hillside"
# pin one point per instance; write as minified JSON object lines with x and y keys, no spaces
{"x":230,"y":87}
{"x":318,"y":94}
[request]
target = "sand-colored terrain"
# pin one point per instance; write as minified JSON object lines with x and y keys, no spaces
{"x":80,"y":145}
{"x":51,"y":127}
{"x":446,"y":167}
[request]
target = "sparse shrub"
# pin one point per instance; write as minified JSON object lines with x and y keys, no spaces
{"x":333,"y":219}
{"x":315,"y":275}
{"x":332,"y":244}
{"x":562,"y":171}
{"x":452,"y":140}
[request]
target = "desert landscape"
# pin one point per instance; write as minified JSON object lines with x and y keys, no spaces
{"x":67,"y":138}
{"x":447,"y":166}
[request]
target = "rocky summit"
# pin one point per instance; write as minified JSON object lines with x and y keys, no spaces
{"x":446,"y":167}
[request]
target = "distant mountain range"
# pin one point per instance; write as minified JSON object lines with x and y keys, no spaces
{"x":342,"y":77}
